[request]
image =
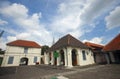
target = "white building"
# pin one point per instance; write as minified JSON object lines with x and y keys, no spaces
{"x":69,"y":51}
{"x":22,"y":52}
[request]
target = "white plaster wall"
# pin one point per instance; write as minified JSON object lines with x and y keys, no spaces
{"x":80,"y":61}
{"x":89,"y":57}
{"x":13,"y":49}
{"x":18,"y":53}
{"x":46,"y":56}
{"x":69,"y":57}
{"x":1,"y":55}
{"x":15,"y":60}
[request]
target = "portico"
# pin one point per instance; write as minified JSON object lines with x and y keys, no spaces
{"x":70,"y":52}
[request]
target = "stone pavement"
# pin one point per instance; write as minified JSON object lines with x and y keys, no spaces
{"x":73,"y":71}
{"x":51,"y":72}
{"x":102,"y":72}
{"x":30,"y":72}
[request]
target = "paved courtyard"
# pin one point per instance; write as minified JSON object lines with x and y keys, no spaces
{"x":48,"y":72}
{"x":103,"y":72}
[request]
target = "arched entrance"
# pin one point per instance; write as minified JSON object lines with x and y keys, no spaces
{"x":23,"y":61}
{"x":74,"y":57}
{"x":62,"y":58}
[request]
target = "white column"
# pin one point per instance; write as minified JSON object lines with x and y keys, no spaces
{"x":52,"y":59}
{"x":91,"y":56}
{"x":78,"y":55}
{"x":58,"y":59}
{"x":46,"y":58}
{"x":5,"y":59}
{"x":69,"y":57}
{"x":65,"y":56}
{"x":112,"y":57}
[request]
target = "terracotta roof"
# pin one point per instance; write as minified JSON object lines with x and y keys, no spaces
{"x":24,"y":43}
{"x":93,"y":45}
{"x":96,"y":48}
{"x":113,"y":44}
{"x":68,"y":40}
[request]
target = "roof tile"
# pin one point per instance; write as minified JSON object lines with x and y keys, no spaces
{"x":113,"y":44}
{"x":68,"y":40}
{"x":24,"y":43}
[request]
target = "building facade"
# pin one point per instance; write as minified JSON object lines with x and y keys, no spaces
{"x":22,"y":52}
{"x":69,"y":52}
{"x":1,"y":56}
{"x":112,"y":50}
{"x":99,"y":55}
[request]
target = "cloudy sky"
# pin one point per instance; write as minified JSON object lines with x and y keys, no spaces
{"x":97,"y":21}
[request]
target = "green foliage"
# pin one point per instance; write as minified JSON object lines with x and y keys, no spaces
{"x":56,"y":54}
{"x":44,"y":49}
{"x":2,"y":52}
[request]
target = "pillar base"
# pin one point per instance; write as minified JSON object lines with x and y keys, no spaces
{"x":69,"y":67}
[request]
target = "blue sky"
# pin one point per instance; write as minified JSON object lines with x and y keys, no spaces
{"x":96,"y":21}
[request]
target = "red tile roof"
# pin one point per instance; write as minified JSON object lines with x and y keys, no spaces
{"x":113,"y":44}
{"x":68,"y":40}
{"x":24,"y":43}
{"x":93,"y":45}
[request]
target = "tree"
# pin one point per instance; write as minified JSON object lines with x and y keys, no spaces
{"x":1,"y":51}
{"x":44,"y":49}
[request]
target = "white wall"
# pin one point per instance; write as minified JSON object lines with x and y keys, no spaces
{"x":89,"y":57}
{"x":80,"y":61}
{"x":18,"y":53}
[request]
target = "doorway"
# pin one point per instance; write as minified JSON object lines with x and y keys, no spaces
{"x":74,"y":57}
{"x":23,"y":61}
{"x":117,"y":56}
{"x":62,"y":57}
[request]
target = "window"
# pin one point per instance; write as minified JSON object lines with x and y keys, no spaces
{"x":10,"y":60}
{"x":35,"y":59}
{"x":25,"y":50}
{"x":84,"y":55}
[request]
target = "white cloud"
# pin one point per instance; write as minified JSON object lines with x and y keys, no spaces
{"x":76,"y":33}
{"x":2,"y":43}
{"x":79,"y":15}
{"x":2,"y":22}
{"x":15,"y":11}
{"x":23,"y":36}
{"x":11,"y":38}
{"x":97,"y":40}
{"x":113,"y":19}
{"x":76,"y":17}
{"x":94,"y":8}
{"x":32,"y":28}
{"x":67,"y":19}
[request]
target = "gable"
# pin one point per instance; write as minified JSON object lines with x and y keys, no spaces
{"x":68,"y":40}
